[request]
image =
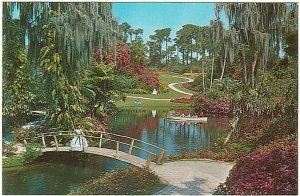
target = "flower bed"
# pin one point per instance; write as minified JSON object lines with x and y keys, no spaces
{"x":271,"y":169}
{"x":185,"y":100}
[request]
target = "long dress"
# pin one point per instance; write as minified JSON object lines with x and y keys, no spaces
{"x":78,"y":143}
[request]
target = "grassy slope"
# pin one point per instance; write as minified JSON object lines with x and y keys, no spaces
{"x":154,"y":104}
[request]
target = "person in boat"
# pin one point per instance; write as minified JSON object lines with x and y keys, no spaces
{"x":78,"y":143}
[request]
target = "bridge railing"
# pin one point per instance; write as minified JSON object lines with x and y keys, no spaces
{"x":108,"y":137}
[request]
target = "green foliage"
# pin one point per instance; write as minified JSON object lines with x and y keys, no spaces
{"x":291,"y":40}
{"x":241,"y":147}
{"x":62,"y":93}
{"x":14,"y":161}
{"x":131,"y":181}
{"x":139,"y":91}
{"x":100,"y":89}
{"x":28,"y":132}
{"x":181,"y":69}
{"x":17,"y":97}
{"x":221,"y":155}
{"x":33,"y":151}
{"x":125,"y":82}
{"x":138,"y":52}
{"x":285,"y":69}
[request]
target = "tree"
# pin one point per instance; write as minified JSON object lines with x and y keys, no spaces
{"x":138,"y":51}
{"x":259,"y":26}
{"x":216,"y":31}
{"x":159,"y":37}
{"x":98,"y":87}
{"x":291,"y":48}
{"x":62,"y":93}
{"x":17,"y":97}
{"x":62,"y":38}
{"x":79,"y":27}
{"x":130,"y":32}
{"x":202,"y":45}
{"x":138,"y":32}
{"x":185,"y":39}
{"x":166,"y":37}
{"x":124,"y":27}
{"x":153,"y":52}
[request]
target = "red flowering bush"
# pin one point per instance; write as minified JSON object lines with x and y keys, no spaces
{"x":217,"y":106}
{"x":124,"y":60}
{"x":202,"y":104}
{"x":220,"y":106}
{"x":271,"y":169}
{"x":186,"y":100}
{"x":149,"y":79}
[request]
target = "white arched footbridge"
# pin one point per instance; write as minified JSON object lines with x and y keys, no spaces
{"x":59,"y":141}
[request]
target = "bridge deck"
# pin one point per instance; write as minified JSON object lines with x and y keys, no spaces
{"x":122,"y":156}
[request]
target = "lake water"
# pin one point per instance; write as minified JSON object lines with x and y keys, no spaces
{"x":153,"y":127}
{"x":60,"y":173}
{"x":56,"y":173}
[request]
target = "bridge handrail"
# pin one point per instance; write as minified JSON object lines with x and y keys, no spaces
{"x":127,"y":138}
{"x":72,"y":134}
{"x":68,"y":133}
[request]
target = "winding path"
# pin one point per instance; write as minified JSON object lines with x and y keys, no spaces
{"x":171,"y":86}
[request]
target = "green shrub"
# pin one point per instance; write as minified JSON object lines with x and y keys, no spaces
{"x":13,"y":161}
{"x":138,"y":91}
{"x":241,"y":147}
{"x":130,"y":181}
{"x":126,"y":82}
{"x":33,"y":151}
{"x":163,"y":88}
{"x":186,"y":68}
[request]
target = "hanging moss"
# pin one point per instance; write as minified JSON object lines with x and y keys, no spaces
{"x":78,"y":27}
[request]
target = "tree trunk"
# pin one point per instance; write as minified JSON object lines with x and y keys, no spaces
{"x":177,"y":57}
{"x":223,"y":67}
{"x":183,"y":56}
{"x":115,"y":50}
{"x":166,"y":52}
{"x":244,"y":64}
{"x":191,"y":56}
{"x":253,"y":69}
{"x":233,"y":126}
{"x":203,"y":79}
{"x":212,"y":70}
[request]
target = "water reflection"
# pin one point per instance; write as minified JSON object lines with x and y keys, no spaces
{"x":56,"y":173}
{"x":156,"y":129}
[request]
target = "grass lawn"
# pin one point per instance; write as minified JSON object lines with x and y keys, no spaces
{"x":150,"y":104}
{"x":157,"y":104}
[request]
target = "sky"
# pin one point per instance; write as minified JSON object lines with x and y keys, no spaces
{"x":152,"y":16}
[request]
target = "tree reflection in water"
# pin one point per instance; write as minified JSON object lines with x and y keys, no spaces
{"x":174,"y":137}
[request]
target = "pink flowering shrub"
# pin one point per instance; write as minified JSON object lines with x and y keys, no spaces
{"x":271,"y":169}
{"x":220,"y":106}
{"x":215,"y":106}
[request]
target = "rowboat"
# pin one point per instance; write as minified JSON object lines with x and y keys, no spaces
{"x":187,"y":119}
